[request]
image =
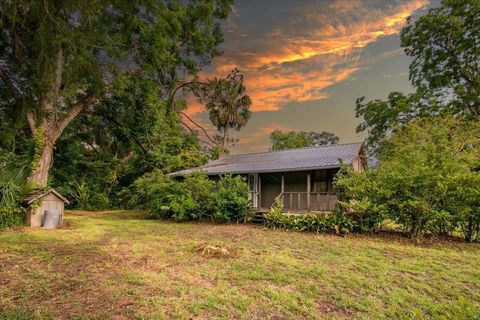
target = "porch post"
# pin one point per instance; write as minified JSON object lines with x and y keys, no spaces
{"x":259,"y":191}
{"x":283,"y":189}
{"x":308,"y":191}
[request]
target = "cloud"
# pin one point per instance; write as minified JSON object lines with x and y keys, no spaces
{"x":297,"y":59}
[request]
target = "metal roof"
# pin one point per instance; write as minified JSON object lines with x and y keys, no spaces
{"x":331,"y":156}
{"x":40,"y":194}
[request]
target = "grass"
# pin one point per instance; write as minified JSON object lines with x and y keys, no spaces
{"x":115,"y":265}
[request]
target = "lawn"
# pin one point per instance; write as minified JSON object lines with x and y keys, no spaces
{"x":115,"y":265}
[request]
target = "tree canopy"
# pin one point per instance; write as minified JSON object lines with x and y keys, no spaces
{"x":63,"y":59}
{"x":288,"y":140}
{"x":227,"y":104}
{"x":444,"y":46}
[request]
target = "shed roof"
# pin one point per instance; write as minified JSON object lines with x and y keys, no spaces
{"x":40,"y":194}
{"x":324,"y":157}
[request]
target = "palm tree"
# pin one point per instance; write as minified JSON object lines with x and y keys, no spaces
{"x":227,"y":104}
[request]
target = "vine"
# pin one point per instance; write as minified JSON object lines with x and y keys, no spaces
{"x":38,"y":147}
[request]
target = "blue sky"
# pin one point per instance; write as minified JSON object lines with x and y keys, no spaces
{"x":306,"y":62}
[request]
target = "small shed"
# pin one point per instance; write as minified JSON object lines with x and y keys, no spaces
{"x":43,"y":200}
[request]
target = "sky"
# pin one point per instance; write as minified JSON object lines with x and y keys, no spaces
{"x":306,"y":62}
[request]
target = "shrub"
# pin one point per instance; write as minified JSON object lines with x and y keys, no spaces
{"x":153,"y":190}
{"x":426,"y":180}
{"x":231,"y":199}
{"x":196,"y":197}
{"x":85,"y":195}
{"x":193,"y":199}
{"x":321,"y":223}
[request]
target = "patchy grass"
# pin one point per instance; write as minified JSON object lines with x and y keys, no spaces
{"x":115,"y":265}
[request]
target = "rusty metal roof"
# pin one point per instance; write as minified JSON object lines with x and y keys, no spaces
{"x":331,"y":156}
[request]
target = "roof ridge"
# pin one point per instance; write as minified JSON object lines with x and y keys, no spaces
{"x":284,"y":150}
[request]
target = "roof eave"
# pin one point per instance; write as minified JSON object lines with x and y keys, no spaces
{"x":178,"y":174}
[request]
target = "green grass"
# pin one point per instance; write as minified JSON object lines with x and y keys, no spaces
{"x":119,"y":265}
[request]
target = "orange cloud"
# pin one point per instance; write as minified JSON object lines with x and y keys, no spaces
{"x":295,"y":62}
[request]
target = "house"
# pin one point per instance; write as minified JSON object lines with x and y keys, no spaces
{"x":40,"y":201}
{"x":302,"y":177}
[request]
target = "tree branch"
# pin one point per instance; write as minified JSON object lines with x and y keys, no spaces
{"x":74,"y":111}
{"x":199,"y":126}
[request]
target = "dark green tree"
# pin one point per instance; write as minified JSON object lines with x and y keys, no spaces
{"x":288,"y":140}
{"x":444,"y":46}
{"x":59,"y":60}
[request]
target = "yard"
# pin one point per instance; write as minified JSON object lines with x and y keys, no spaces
{"x":120,"y":265}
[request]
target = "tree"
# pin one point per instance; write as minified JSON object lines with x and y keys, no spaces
{"x":227,"y":104}
{"x":426,"y":179}
{"x":288,"y":140}
{"x":104,"y":151}
{"x":444,"y":46}
{"x":61,"y":59}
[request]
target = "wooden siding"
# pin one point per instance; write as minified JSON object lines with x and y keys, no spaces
{"x":48,"y":202}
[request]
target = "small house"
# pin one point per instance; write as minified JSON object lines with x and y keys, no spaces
{"x":302,"y":178}
{"x":40,"y":201}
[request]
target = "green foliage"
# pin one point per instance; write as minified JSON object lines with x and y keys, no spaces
{"x":444,"y":48}
{"x":193,"y":198}
{"x":152,"y":191}
{"x":103,"y":75}
{"x":13,"y":187}
{"x":231,"y":199}
{"x":227,"y":104}
{"x":196,"y":197}
{"x":426,"y":179}
{"x":288,"y":140}
{"x":129,"y":135}
{"x":382,"y":117}
{"x":443,"y":45}
{"x":319,"y":223}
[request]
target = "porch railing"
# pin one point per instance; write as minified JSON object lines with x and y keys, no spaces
{"x":312,"y":201}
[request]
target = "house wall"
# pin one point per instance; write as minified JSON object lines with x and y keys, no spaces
{"x":295,"y":189}
{"x":357,"y":164}
{"x":50,"y":201}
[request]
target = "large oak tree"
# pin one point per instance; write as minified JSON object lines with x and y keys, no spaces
{"x":59,"y":59}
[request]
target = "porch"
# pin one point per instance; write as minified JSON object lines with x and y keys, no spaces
{"x":300,"y":191}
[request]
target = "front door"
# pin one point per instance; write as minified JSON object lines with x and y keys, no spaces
{"x":271,"y":187}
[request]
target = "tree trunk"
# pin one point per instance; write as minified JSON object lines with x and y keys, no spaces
{"x":225,"y":139}
{"x":41,"y":165}
{"x":49,"y":126}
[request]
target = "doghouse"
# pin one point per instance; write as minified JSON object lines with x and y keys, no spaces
{"x":40,"y":201}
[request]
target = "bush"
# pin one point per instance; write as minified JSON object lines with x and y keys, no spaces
{"x":196,"y":197}
{"x":193,"y":199}
{"x":320,"y":223}
{"x":427,"y":180}
{"x":231,"y":199}
{"x":152,"y":191}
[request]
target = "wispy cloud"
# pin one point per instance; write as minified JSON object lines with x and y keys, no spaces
{"x":296,"y":60}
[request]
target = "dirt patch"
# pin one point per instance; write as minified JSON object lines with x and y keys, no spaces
{"x":330,"y":308}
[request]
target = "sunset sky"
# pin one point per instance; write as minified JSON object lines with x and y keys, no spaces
{"x":306,"y":62}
